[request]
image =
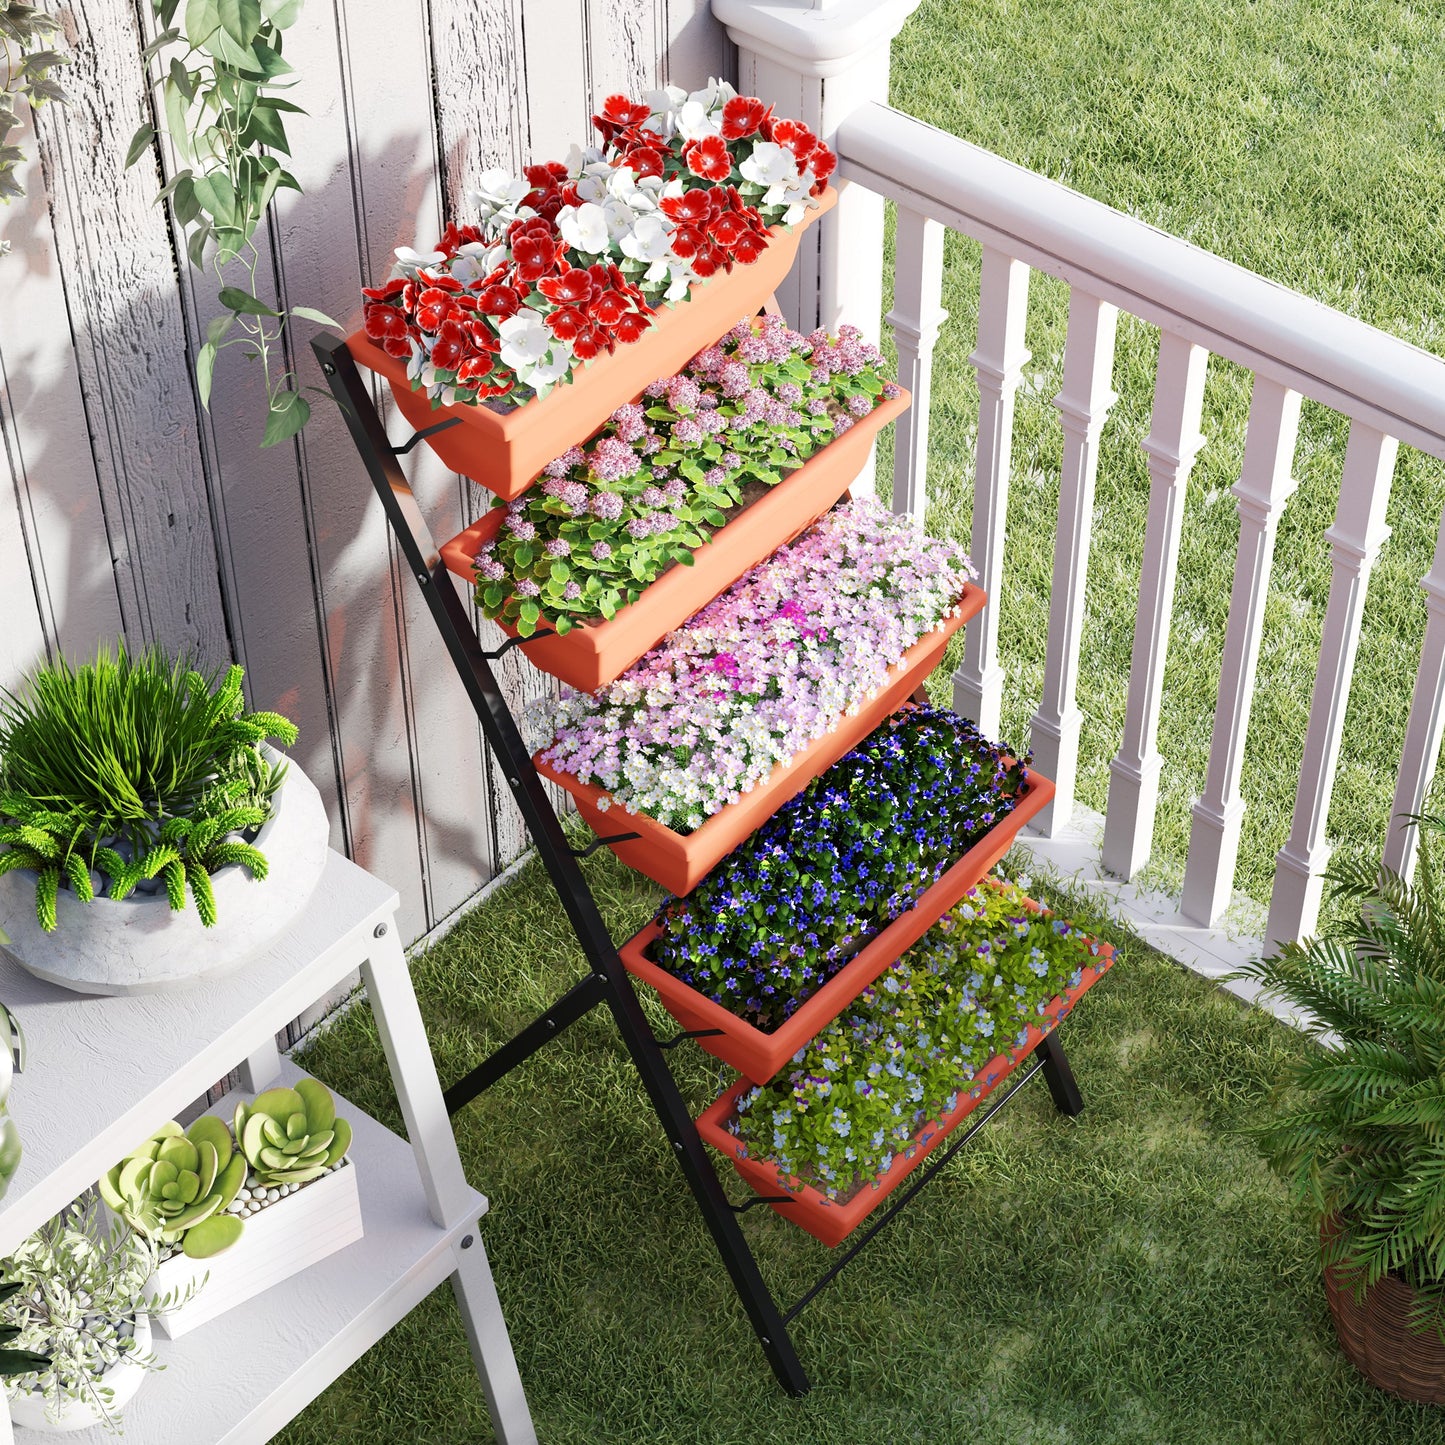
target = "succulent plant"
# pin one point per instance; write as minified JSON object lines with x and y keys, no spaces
{"x":178,"y":1185}
{"x":290,"y":1136}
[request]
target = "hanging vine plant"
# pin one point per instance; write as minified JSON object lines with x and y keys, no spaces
{"x":217,"y":91}
{"x":29,"y":51}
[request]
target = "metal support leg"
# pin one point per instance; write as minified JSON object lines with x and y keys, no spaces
{"x":1059,"y":1076}
{"x":459,"y":635}
{"x":486,"y":1329}
{"x":260,"y":1069}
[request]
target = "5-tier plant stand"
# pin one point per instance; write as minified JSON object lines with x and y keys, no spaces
{"x":608,"y":981}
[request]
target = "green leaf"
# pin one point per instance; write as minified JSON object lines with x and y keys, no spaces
{"x":174,"y":104}
{"x":241,"y":19}
{"x":182,"y":79}
{"x":523,"y":555}
{"x":530,"y":612}
{"x":310,"y":313}
{"x":160,"y":42}
{"x":214,"y":193}
{"x":243,"y":303}
{"x":274,"y":102}
{"x":218,"y":328}
{"x":288,"y":414}
{"x":281,"y":13}
{"x":205,"y":371}
{"x":264,"y":63}
{"x":265,"y":128}
{"x":196,"y":245}
{"x":563,"y":625}
{"x":203,"y":19}
{"x":229,"y":241}
{"x":177,"y":180}
{"x":140,"y":143}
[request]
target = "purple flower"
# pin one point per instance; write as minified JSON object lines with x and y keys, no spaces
{"x":520,"y":528}
{"x":601,"y":551}
{"x":527,"y":587}
{"x":860,"y":405}
{"x":606,"y":506}
{"x":557,"y":547}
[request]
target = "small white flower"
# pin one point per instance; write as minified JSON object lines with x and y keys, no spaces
{"x":694,"y":120}
{"x":584,"y":228}
{"x":769,"y":164}
{"x":620,"y":217}
{"x":553,"y":367}
{"x":648,"y":240}
{"x":413,"y":261}
{"x":524,"y":340}
{"x":580,"y":157}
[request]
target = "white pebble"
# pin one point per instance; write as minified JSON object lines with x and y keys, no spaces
{"x":272,"y":1195}
{"x":243,"y":1195}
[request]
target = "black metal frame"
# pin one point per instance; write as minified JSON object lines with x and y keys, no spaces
{"x":608,"y":982}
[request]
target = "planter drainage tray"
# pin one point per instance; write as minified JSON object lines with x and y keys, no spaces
{"x":680,"y":861}
{"x":832,"y":1221}
{"x":504,"y":450}
{"x":598,"y":651}
{"x":758,"y":1055}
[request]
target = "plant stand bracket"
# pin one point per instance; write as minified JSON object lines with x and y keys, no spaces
{"x":608,"y":982}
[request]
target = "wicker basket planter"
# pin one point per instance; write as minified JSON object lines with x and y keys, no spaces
{"x":1375,"y":1334}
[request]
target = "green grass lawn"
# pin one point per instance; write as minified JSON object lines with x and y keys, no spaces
{"x":1305,"y":140}
{"x":1129,"y":1277}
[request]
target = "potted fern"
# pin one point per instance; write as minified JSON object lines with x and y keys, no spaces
{"x":1359,"y":1135}
{"x":140,"y":806}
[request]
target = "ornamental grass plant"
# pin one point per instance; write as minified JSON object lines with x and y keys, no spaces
{"x":1359,"y":1132}
{"x":135,"y":768}
{"x":665,"y":473}
{"x":774,"y":663}
{"x":901,"y":1054}
{"x":784,"y":911}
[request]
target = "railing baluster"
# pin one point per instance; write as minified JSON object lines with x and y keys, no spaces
{"x":1424,"y":731}
{"x":1083,"y":402}
{"x":915,"y":318}
{"x":1355,"y":541}
{"x":1173,"y":442}
{"x":1000,"y":358}
{"x":1265,"y":484}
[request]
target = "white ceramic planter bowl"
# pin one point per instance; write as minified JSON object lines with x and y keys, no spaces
{"x":283,"y":1239}
{"x":28,"y":1411}
{"x":140,"y":945}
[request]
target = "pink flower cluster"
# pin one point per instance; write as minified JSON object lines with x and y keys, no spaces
{"x":802,"y":640}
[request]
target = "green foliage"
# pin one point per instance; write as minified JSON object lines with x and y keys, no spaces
{"x":29,"y":52}
{"x":1359,"y":1135}
{"x":291,"y":1136}
{"x":216,"y":90}
{"x":136,"y":768}
{"x":71,"y":1289}
{"x":177,"y":1187}
{"x":857,"y":1094}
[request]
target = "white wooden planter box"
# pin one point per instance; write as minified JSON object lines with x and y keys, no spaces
{"x":282,"y":1240}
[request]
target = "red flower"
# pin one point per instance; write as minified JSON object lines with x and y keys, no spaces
{"x":498,"y":301}
{"x":622,"y":110}
{"x":547,"y":176}
{"x":475,"y":367}
{"x":746,"y":249}
{"x":434,"y":308}
{"x":383,"y":321}
{"x":644,"y":160}
{"x":796,"y":136}
{"x":536,"y":250}
{"x":685,"y":241}
{"x":447,"y":350}
{"x":728,"y":228}
{"x":566,"y":322}
{"x":608,"y":309}
{"x":741,"y":116}
{"x":385,"y":293}
{"x":822,"y":163}
{"x":690,"y":208}
{"x":591,"y":341}
{"x":708,"y":260}
{"x":482,"y":336}
{"x":397,"y":346}
{"x":455,"y":237}
{"x":632,"y":326}
{"x":571,"y":288}
{"x":709,"y":158}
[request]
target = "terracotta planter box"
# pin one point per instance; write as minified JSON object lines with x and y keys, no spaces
{"x":759,"y":1055}
{"x":598,"y":652}
{"x":833,"y":1221}
{"x":504,"y":451}
{"x":680,"y":861}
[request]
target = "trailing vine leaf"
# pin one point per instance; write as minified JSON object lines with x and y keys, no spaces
{"x":215,"y":75}
{"x":28,"y":53}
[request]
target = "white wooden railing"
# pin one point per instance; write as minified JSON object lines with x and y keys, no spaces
{"x":1391,"y":392}
{"x":828,"y":62}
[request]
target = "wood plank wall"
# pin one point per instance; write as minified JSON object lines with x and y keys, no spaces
{"x":132,"y":510}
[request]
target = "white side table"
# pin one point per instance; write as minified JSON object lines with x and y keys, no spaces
{"x":102,"y":1073}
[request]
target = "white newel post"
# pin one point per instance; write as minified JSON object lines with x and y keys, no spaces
{"x":1172,"y":444}
{"x":817,"y":61}
{"x":1355,"y":541}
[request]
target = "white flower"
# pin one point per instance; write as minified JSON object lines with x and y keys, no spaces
{"x":476,"y":259}
{"x":553,"y":367}
{"x":498,"y":195}
{"x":584,"y":228}
{"x":579,"y":158}
{"x":412,"y":261}
{"x":694,"y":121}
{"x":770,"y":164}
{"x":524,"y":340}
{"x":714,"y":95}
{"x":648,"y":240}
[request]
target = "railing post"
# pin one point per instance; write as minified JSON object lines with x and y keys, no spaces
{"x":818,"y":62}
{"x":915,"y":318}
{"x":1083,"y":402}
{"x":1355,"y":541}
{"x":999,"y":358}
